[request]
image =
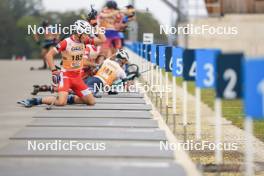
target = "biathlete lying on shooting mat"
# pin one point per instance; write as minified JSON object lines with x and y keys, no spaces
{"x":69,"y":77}
{"x":111,"y":70}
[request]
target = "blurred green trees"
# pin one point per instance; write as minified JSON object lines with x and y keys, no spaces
{"x":16,"y":15}
{"x":148,"y":24}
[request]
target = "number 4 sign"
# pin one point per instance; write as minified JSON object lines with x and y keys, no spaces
{"x":206,"y":71}
{"x":228,"y":83}
{"x":254,"y":88}
{"x":189,"y":65}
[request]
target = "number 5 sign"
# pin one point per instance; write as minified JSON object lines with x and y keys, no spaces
{"x":254,"y":88}
{"x":228,"y":83}
{"x":206,"y":67}
{"x":177,"y":61}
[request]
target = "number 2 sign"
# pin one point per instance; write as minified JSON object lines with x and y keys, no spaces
{"x":254,"y":88}
{"x":228,"y":82}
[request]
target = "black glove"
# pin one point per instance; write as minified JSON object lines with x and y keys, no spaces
{"x":56,"y":77}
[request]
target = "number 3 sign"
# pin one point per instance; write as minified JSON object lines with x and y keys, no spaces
{"x":206,"y":67}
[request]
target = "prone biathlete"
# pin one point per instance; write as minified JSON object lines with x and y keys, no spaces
{"x":72,"y":50}
{"x":110,"y":71}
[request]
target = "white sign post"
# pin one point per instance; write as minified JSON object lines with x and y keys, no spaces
{"x":174,"y":101}
{"x":157,"y":83}
{"x":161,"y":88}
{"x":185,"y":104}
{"x":198,"y":113}
{"x":148,"y":38}
{"x":218,"y":129}
{"x":249,"y":148}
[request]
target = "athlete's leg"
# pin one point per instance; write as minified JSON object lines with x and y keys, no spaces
{"x":84,"y":94}
{"x":43,"y":53}
{"x":60,"y":100}
{"x":88,"y":99}
{"x":74,"y":99}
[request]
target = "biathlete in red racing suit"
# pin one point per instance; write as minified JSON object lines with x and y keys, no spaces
{"x":69,"y":78}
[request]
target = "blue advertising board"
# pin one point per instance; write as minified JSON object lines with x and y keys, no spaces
{"x":254,"y":88}
{"x":206,"y":67}
{"x":162,"y":56}
{"x":189,"y":65}
{"x":177,"y":61}
{"x":153,"y":54}
{"x":229,"y":76}
{"x":168,"y":59}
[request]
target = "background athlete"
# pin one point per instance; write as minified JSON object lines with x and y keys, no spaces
{"x":50,"y":39}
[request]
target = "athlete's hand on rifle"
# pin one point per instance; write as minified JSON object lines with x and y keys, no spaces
{"x":55,"y":76}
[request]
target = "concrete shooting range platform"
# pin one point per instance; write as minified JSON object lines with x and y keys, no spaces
{"x":123,"y":123}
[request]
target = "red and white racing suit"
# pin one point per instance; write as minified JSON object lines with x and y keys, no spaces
{"x":72,"y":63}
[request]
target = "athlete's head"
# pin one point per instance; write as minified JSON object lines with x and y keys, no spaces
{"x":122,"y":56}
{"x":130,"y":6}
{"x":130,"y":10}
{"x":45,"y":23}
{"x":91,"y":17}
{"x":111,"y":4}
{"x":82,"y":29}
